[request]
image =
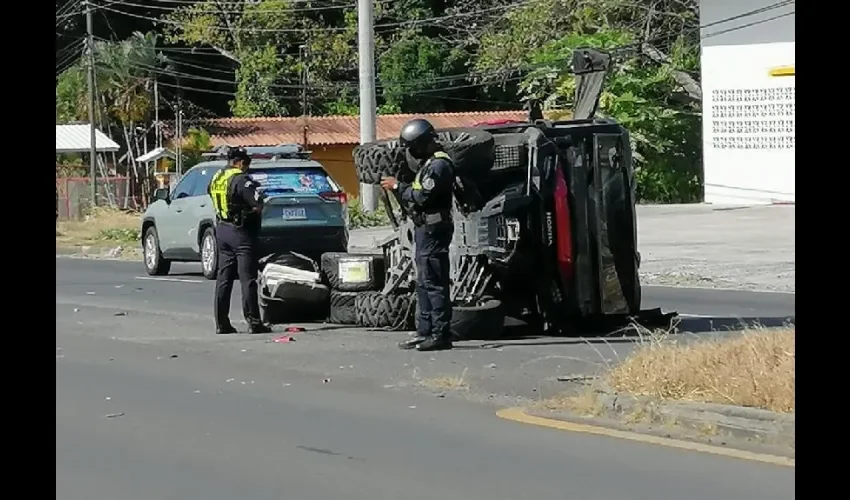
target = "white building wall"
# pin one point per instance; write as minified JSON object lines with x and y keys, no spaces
{"x":748,"y":124}
{"x":748,"y":115}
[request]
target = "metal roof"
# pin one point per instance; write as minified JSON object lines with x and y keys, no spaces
{"x":327,"y":130}
{"x":77,"y":139}
{"x":155,"y":154}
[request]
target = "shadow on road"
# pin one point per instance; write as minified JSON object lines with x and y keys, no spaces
{"x":524,"y":335}
{"x":719,"y":323}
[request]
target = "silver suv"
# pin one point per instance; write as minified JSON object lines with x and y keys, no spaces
{"x":305,"y":211}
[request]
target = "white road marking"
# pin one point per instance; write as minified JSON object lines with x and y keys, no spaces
{"x":176,"y":280}
{"x":722,"y":289}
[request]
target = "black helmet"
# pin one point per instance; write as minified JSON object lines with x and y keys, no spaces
{"x":416,"y":135}
{"x":237,"y":153}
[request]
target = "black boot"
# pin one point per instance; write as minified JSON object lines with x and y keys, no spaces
{"x":259,"y":328}
{"x":434,"y":343}
{"x":225,"y":329}
{"x":412,"y":342}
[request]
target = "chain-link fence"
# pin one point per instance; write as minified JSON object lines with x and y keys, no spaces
{"x":75,"y":195}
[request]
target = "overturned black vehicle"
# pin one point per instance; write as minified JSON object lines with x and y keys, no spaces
{"x":545,"y":223}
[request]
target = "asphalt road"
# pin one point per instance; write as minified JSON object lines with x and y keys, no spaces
{"x":140,"y":418}
{"x":195,"y":293}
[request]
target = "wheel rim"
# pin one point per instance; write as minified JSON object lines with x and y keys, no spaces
{"x":150,"y":251}
{"x":208,"y":254}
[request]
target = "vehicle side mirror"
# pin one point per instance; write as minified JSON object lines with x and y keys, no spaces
{"x":161,"y":194}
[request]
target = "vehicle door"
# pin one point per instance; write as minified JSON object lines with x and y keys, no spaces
{"x":201,"y":205}
{"x":174,"y":223}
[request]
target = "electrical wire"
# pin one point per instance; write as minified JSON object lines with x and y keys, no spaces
{"x":413,"y":22}
{"x":236,"y":10}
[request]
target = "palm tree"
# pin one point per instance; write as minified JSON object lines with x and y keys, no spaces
{"x":125,"y":75}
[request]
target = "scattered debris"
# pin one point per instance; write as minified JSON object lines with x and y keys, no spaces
{"x":230,"y":380}
{"x":115,"y":415}
{"x":173,"y":356}
{"x":295,"y":329}
{"x":325,"y":381}
{"x":90,"y":293}
{"x":576,"y":378}
{"x":108,"y":398}
{"x":284,"y":339}
{"x":119,"y":286}
{"x":196,"y":392}
{"x":120,"y":314}
{"x":115,"y":252}
{"x":76,"y":309}
{"x":412,"y":407}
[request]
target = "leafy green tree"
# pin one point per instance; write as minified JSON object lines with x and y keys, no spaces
{"x":195,"y":143}
{"x":412,"y":64}
{"x":640,"y":95}
{"x":650,"y":90}
{"x":125,"y":72}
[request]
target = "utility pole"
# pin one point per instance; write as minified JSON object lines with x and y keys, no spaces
{"x":178,"y":144}
{"x":92,"y":129}
{"x":156,"y":112}
{"x":366,"y":50}
{"x":304,"y":81}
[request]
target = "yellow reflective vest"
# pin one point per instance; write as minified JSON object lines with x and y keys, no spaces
{"x":218,"y":191}
{"x":417,"y":181}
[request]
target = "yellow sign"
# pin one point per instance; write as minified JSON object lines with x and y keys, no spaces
{"x":354,"y":271}
{"x":782,"y":71}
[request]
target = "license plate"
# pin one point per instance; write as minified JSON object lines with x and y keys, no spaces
{"x":294,"y":213}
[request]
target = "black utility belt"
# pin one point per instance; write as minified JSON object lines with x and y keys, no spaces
{"x":429,"y":219}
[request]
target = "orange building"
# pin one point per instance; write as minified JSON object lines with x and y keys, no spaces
{"x":332,"y":138}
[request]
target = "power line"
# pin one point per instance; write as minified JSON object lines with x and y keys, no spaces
{"x":743,"y":26}
{"x":190,"y":4}
{"x":413,"y":22}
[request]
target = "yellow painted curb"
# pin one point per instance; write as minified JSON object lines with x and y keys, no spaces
{"x":519,"y":415}
{"x":782,"y":71}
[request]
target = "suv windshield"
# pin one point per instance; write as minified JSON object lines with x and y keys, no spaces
{"x":292,"y":180}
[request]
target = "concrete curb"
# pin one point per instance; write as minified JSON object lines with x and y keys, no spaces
{"x":751,"y":424}
{"x":739,"y":422}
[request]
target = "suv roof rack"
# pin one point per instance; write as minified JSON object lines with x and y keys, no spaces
{"x":279,"y":152}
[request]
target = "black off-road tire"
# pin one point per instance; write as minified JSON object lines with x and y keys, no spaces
{"x":377,"y":159}
{"x":471,"y":149}
{"x":376,"y":310}
{"x":342,"y":310}
{"x":155,"y":264}
{"x":331,"y":271}
{"x":485,"y":321}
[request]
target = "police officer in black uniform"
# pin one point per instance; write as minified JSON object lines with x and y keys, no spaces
{"x":429,"y":198}
{"x":238,"y":206}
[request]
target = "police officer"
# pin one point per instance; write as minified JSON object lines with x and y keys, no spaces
{"x":238,"y":206}
{"x":429,"y":198}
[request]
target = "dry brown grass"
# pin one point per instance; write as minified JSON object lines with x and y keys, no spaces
{"x":102,"y":227}
{"x":754,"y":369}
{"x":585,"y":403}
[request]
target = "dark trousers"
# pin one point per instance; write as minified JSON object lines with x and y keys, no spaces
{"x":433,"y":281}
{"x":236,"y":259}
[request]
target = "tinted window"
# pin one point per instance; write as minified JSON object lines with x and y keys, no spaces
{"x":205,"y":175}
{"x":186,"y":185}
{"x":292,"y":180}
